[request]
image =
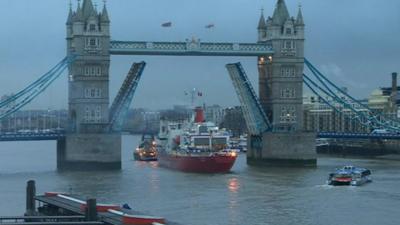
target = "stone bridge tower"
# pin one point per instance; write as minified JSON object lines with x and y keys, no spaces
{"x":88,"y":142}
{"x":281,"y":90}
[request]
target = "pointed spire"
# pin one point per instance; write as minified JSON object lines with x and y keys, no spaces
{"x":281,"y":13}
{"x":87,"y":8}
{"x":300,"y":20}
{"x":79,"y":14}
{"x":70,"y":14}
{"x":261,"y":23}
{"x":104,"y":15}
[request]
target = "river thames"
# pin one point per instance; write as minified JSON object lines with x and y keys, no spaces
{"x":247,"y":195}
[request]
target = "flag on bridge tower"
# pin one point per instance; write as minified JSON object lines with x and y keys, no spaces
{"x":167,"y":24}
{"x":208,"y":26}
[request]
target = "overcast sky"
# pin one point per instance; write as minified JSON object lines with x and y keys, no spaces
{"x":355,"y":42}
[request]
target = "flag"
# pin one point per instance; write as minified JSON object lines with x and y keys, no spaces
{"x":211,"y":25}
{"x":167,"y":24}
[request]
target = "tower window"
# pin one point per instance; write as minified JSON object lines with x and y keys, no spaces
{"x":93,"y":93}
{"x":87,"y":114}
{"x":98,"y":114}
{"x":92,"y":42}
{"x":288,"y":45}
{"x":92,"y":27}
{"x":288,"y":71}
{"x":288,"y":93}
{"x":92,"y":70}
{"x":288,"y":31}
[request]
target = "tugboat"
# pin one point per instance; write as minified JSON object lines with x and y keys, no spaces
{"x":349,"y":175}
{"x":195,"y":146}
{"x":147,"y":149}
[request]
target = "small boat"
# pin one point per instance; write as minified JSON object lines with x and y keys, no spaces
{"x":350,"y":175}
{"x":147,"y":149}
{"x":239,"y":143}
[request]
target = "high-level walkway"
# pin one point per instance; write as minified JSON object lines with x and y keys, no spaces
{"x":190,"y":48}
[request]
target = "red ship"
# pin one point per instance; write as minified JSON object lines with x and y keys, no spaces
{"x":195,"y":146}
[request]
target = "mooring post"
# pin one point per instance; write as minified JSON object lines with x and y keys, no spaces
{"x":30,"y":198}
{"x":91,"y":211}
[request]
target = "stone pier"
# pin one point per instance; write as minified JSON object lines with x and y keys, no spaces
{"x":89,"y":152}
{"x":284,"y":149}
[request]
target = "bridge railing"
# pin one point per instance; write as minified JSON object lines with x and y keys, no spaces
{"x":191,"y":47}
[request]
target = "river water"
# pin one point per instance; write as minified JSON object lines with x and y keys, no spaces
{"x":246,"y":196}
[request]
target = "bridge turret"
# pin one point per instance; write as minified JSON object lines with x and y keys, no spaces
{"x":281,"y":13}
{"x":88,"y":37}
{"x":69,"y":22}
{"x":281,"y":96}
{"x":262,"y":28}
{"x":78,"y":22}
{"x":88,"y":143}
{"x":281,"y":84}
{"x":105,"y":21}
{"x":300,"y":23}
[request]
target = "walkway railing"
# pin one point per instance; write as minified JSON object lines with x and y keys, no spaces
{"x":32,"y":136}
{"x":192,"y":47}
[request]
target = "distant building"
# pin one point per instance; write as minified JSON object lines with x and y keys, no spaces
{"x":320,"y":117}
{"x":234,"y":121}
{"x":178,"y":113}
{"x":34,"y":120}
{"x":386,"y":100}
{"x":215,"y":114}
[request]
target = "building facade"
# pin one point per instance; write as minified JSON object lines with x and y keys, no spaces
{"x":281,"y":76}
{"x":320,"y":117}
{"x":215,"y":114}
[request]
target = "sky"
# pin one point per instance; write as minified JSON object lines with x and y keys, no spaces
{"x":355,"y":43}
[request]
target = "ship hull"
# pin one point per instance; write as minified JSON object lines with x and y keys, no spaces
{"x":197,"y":164}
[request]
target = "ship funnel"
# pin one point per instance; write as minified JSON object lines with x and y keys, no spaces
{"x":199,"y":117}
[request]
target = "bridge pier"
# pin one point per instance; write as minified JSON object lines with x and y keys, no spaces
{"x":283,"y":149}
{"x":89,"y":152}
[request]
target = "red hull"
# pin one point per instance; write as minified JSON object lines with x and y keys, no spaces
{"x":198,"y":164}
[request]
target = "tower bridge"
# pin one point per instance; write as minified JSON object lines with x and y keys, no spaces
{"x":274,"y":118}
{"x":280,"y":53}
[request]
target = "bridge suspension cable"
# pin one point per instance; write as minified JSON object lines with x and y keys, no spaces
{"x":373,"y":119}
{"x":313,"y":86}
{"x":25,"y":96}
{"x":43,"y":78}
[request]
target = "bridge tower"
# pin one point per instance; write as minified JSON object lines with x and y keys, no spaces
{"x":88,"y":143}
{"x":281,"y":91}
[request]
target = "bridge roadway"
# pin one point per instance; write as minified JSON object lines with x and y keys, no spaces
{"x":192,"y":47}
{"x":53,"y":136}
